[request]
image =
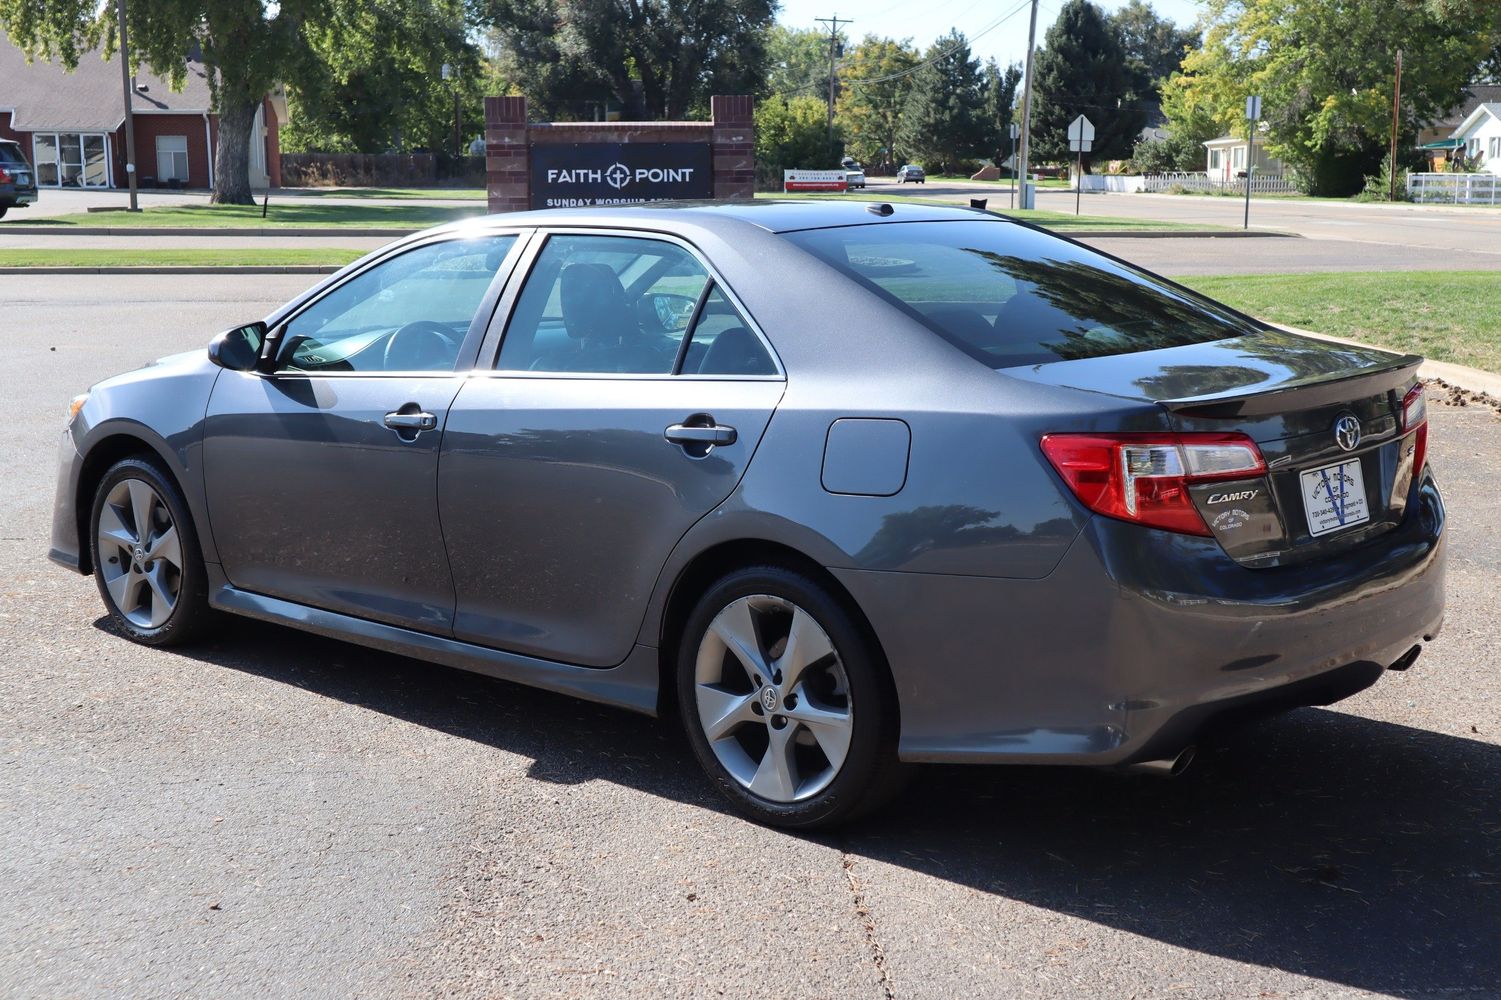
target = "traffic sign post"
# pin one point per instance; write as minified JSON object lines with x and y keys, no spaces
{"x":1253,"y":115}
{"x":1080,"y":141}
{"x":1015,"y":131}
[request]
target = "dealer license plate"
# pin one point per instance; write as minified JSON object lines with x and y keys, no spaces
{"x":1334,"y":497}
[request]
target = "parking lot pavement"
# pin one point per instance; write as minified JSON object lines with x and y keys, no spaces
{"x":1212,"y":255}
{"x":275,"y":815}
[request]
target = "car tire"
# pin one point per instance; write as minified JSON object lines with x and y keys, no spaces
{"x":820,"y":749}
{"x":3,"y":210}
{"x":147,"y":561}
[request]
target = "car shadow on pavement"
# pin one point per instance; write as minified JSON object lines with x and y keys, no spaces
{"x":1358,"y":852}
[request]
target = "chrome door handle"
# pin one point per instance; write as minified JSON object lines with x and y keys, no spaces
{"x":399,"y":421}
{"x":711,"y":434}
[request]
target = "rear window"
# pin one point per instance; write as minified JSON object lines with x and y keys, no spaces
{"x":1008,"y":295}
{"x":10,"y":155}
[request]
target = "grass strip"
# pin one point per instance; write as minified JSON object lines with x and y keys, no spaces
{"x":268,"y":257}
{"x":1452,"y":316}
{"x":303,"y":212}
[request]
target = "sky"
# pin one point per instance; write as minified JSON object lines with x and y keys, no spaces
{"x":924,"y":20}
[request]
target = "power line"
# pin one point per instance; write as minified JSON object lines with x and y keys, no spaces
{"x":833,"y":23}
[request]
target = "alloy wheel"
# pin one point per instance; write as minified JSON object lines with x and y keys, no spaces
{"x":140,"y":554}
{"x":773,"y":698}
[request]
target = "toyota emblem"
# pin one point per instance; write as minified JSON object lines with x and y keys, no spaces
{"x":1347,"y":432}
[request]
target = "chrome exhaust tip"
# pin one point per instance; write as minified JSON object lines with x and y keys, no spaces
{"x":1167,"y":767}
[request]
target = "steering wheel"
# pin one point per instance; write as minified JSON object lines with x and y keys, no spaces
{"x":420,"y":346}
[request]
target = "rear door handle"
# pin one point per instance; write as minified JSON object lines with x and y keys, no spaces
{"x":689,"y":434}
{"x":399,"y":421}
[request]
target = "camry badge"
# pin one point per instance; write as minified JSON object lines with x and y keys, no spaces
{"x":1347,"y":432}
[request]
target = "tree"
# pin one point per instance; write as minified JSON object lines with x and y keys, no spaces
{"x":370,"y":79}
{"x":1082,"y":70}
{"x":1000,"y":107}
{"x":873,"y":83}
{"x":657,"y":58}
{"x":791,"y":133}
{"x":1324,"y":71}
{"x":942,"y":122}
{"x":797,"y":63}
{"x":1154,"y":46}
{"x":248,"y":48}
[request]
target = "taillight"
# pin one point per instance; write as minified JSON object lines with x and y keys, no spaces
{"x":1144,"y":478}
{"x":1415,"y":422}
{"x":5,"y":176}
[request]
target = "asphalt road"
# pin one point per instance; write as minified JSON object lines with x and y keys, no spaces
{"x":273,"y":815}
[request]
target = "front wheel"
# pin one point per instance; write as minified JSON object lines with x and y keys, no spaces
{"x":786,"y":701}
{"x":147,"y":562}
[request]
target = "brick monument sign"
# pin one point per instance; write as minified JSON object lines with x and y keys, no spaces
{"x":559,"y":164}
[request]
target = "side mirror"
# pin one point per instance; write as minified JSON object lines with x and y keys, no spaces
{"x":238,"y":350}
{"x":665,"y":311}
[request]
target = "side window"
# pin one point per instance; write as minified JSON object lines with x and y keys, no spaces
{"x":604,"y":304}
{"x":723,"y":343}
{"x":409,"y":313}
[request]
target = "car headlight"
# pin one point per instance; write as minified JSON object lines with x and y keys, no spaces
{"x":76,"y":404}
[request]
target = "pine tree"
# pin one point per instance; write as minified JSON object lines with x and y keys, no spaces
{"x":1000,"y":108}
{"x":942,"y":120}
{"x":1082,"y":69}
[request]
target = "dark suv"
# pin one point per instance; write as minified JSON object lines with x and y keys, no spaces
{"x":17,"y":179}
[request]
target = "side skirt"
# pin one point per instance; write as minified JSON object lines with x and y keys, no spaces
{"x":631,"y":685}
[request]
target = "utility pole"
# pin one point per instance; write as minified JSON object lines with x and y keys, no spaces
{"x":130,"y":126}
{"x":833,"y":23}
{"x":1391,"y":194}
{"x":1027,"y":110}
{"x":1253,"y":115}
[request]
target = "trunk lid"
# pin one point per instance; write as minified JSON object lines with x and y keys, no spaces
{"x":1288,"y":394}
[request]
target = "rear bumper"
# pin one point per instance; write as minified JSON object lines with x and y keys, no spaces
{"x":1141,"y":638}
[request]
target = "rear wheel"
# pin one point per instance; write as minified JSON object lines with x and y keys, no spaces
{"x":786,"y":701}
{"x":147,"y":562}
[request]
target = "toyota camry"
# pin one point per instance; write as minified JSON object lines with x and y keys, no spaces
{"x":843,"y":488}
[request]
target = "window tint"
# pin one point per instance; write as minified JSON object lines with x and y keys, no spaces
{"x":1007,"y":295}
{"x":10,"y":155}
{"x":723,"y":344}
{"x":604,"y":304}
{"x":409,"y":313}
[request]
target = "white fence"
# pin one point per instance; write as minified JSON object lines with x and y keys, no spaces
{"x":1455,"y":189}
{"x":1199,"y":180}
{"x":1125,"y":183}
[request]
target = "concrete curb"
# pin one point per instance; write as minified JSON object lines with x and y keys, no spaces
{"x":42,"y":230}
{"x":183,"y":269}
{"x":1183,"y":234}
{"x":1472,"y":379}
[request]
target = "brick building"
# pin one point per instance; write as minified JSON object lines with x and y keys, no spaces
{"x":71,"y":125}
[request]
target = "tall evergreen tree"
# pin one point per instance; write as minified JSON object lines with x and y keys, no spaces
{"x":1154,"y":46}
{"x":1000,"y":107}
{"x":942,"y":119}
{"x":1082,"y":69}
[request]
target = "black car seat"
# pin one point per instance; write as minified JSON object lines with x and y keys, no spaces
{"x":736,"y":351}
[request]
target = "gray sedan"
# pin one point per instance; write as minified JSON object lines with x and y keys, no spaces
{"x":843,"y":487}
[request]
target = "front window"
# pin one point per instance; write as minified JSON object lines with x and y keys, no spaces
{"x":1007,"y":295}
{"x":172,"y":158}
{"x":408,"y":313}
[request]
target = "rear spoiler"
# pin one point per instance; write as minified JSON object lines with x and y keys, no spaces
{"x":1316,"y":391}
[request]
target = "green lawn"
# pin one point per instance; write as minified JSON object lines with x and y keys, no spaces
{"x":283,"y":214}
{"x":268,"y":257}
{"x":1061,"y":221}
{"x":413,"y":194}
{"x":1445,"y":315}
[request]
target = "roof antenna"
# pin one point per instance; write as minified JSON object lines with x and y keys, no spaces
{"x":880,"y":208}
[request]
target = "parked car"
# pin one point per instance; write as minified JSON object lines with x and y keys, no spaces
{"x":17,"y":179}
{"x":851,"y":486}
{"x":911,"y":172}
{"x":854,"y":173}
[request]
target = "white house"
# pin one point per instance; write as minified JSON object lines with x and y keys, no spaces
{"x":1480,"y":134}
{"x":1227,"y":159}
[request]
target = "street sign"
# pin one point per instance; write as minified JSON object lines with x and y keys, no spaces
{"x":1253,"y":109}
{"x":1015,"y":131}
{"x":1080,"y":135}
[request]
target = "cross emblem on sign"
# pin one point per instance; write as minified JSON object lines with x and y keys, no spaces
{"x":618,"y":175}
